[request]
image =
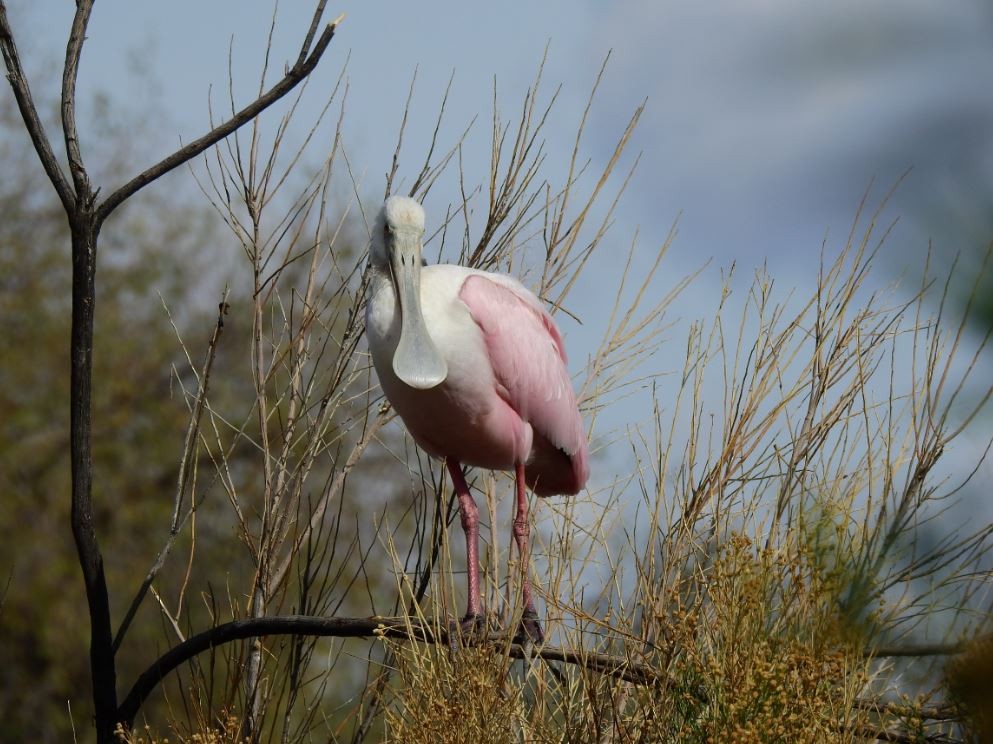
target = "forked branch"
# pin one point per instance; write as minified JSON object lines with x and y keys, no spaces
{"x":293,"y":77}
{"x":77,"y":35}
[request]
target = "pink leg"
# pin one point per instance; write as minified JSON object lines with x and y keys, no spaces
{"x":470,"y":524}
{"x":530,"y":628}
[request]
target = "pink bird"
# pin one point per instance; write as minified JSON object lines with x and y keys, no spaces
{"x":477,"y":371}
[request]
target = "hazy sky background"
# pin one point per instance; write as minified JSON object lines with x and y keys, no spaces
{"x":765,"y":120}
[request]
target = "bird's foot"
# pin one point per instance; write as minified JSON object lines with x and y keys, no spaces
{"x":472,"y":624}
{"x":529,"y":630}
{"x":469,"y":630}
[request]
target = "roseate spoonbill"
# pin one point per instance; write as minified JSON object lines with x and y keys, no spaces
{"x":477,"y":371}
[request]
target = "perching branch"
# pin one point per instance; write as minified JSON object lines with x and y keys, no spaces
{"x":357,"y":627}
{"x":294,"y":76}
{"x":618,"y":667}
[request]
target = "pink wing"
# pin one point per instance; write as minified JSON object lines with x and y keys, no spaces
{"x":529,"y":365}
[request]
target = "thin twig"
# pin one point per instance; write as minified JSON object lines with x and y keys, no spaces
{"x":294,"y":76}
{"x":192,"y":434}
{"x":920,"y":649}
{"x":77,"y":35}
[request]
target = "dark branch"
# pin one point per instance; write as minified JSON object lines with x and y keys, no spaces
{"x":70,"y":72}
{"x":900,"y":737}
{"x":312,"y":31}
{"x":22,"y":94}
{"x":293,"y":77}
{"x":251,"y":628}
{"x":618,"y":667}
{"x":104,"y":674}
{"x":921,"y":649}
{"x":85,"y":232}
{"x":356,"y":627}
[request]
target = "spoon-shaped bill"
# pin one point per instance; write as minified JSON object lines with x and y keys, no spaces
{"x":417,"y":361}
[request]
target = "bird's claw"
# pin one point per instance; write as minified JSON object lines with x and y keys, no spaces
{"x":529,"y":630}
{"x":467,"y":631}
{"x":472,"y":624}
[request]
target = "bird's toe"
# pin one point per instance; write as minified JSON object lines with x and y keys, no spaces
{"x":469,"y":630}
{"x":529,"y":630}
{"x":472,"y":624}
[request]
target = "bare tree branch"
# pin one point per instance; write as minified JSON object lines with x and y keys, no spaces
{"x":103,"y":670}
{"x":22,"y":93}
{"x":920,"y":649}
{"x":294,"y":76}
{"x":77,"y":35}
{"x":312,"y":31}
{"x":618,"y":667}
{"x":357,"y":627}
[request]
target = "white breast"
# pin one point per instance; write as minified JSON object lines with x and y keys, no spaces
{"x":454,"y":332}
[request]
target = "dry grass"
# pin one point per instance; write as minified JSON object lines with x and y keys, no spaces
{"x":226,"y":730}
{"x":721,"y":673}
{"x":463,"y":697}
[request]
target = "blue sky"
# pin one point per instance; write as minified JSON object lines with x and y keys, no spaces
{"x":765,"y":120}
{"x":750,"y":103}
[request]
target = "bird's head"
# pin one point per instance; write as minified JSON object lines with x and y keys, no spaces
{"x":396,"y":248}
{"x":400,"y":214}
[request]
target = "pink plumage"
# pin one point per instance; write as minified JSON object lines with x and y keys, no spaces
{"x":528,"y":359}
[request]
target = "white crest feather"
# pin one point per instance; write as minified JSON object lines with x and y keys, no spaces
{"x":402,"y":211}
